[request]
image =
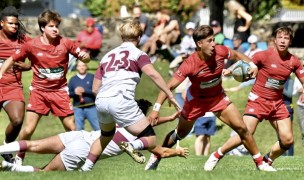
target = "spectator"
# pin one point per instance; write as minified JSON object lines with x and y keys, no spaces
{"x":202,"y":15}
{"x":237,"y":45}
{"x":90,"y":39}
{"x":80,"y":89}
{"x":242,"y":20}
{"x":204,"y":127}
{"x":252,"y":40}
{"x":217,"y":29}
{"x":145,"y":23}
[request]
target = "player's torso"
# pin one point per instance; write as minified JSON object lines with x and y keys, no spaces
{"x":206,"y":78}
{"x":121,"y":70}
{"x":13,"y":76}
{"x":49,"y":63}
{"x":272,"y":75}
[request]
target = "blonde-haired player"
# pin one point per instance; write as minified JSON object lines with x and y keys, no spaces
{"x":115,"y":82}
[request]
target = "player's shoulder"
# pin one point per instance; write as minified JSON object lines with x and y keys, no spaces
{"x":221,"y":50}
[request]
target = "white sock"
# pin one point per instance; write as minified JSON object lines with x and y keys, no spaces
{"x":19,"y":168}
{"x":9,"y":148}
{"x":256,"y":156}
{"x":220,"y":151}
{"x":88,"y":165}
{"x":137,"y":144}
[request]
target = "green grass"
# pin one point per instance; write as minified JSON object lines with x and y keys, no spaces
{"x":122,"y":167}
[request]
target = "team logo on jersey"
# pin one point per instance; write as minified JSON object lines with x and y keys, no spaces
{"x":301,"y":71}
{"x":29,"y":105}
{"x":251,"y":110}
{"x":40,"y":54}
{"x":274,"y":65}
{"x":17,"y":51}
{"x":179,"y":73}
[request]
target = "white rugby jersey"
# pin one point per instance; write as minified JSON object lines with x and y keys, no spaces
{"x":120,"y":70}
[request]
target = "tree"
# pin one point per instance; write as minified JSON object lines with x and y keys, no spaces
{"x":4,"y":3}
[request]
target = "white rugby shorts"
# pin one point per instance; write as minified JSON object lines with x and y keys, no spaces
{"x":76,"y":150}
{"x":119,"y":109}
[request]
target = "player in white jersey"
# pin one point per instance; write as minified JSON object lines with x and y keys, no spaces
{"x":115,"y":82}
{"x":73,"y":147}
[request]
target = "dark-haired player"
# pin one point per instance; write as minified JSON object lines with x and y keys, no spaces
{"x":12,"y":37}
{"x":204,"y":68}
{"x":265,"y":100}
{"x":49,"y":56}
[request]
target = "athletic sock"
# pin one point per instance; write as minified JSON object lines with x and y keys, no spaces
{"x":140,"y":144}
{"x":10,"y":148}
{"x":267,"y":159}
{"x":89,"y":163}
{"x":18,"y":168}
{"x":258,"y":159}
{"x":218,"y":154}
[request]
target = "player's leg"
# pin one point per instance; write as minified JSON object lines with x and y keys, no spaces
{"x":55,"y":164}
{"x":107,"y":133}
{"x":232,"y":117}
{"x":206,"y":144}
{"x":50,"y":145}
{"x":198,"y":145}
{"x":30,"y":124}
{"x":182,"y":130}
{"x":300,"y":113}
{"x":284,"y":130}
{"x":15,"y":112}
{"x":79,"y":116}
{"x":68,"y":122}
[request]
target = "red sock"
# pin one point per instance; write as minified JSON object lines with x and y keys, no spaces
{"x":217,"y":155}
{"x":258,"y":161}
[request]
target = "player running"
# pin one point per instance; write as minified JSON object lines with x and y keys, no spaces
{"x":12,"y":37}
{"x":49,"y":56}
{"x":72,"y":148}
{"x":115,"y":81}
{"x":204,"y":69}
{"x":265,"y":101}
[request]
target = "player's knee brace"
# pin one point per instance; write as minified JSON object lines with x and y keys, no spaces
{"x":282,"y":146}
{"x":108,"y":133}
{"x":148,"y":131}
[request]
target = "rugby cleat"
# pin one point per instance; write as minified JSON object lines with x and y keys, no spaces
{"x":17,"y":160}
{"x":8,"y":157}
{"x":152,"y":163}
{"x":266,"y":167}
{"x":211,"y":163}
{"x":6,"y":166}
{"x":135,"y":155}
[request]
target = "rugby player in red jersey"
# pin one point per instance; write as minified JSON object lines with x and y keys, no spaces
{"x":205,"y":69}
{"x":265,"y":100}
{"x":49,"y":56}
{"x":12,"y":37}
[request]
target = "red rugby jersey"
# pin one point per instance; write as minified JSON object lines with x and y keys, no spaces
{"x":273,"y":73}
{"x":49,"y":62}
{"x":7,"y":48}
{"x":205,"y":75}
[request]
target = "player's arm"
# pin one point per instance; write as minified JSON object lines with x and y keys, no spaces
{"x":6,"y":65}
{"x":22,"y":66}
{"x":302,"y":95}
{"x":164,"y":152}
{"x":162,"y":120}
{"x":97,"y":80}
{"x":240,"y":56}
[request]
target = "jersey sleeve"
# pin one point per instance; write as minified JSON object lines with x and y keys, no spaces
{"x":143,"y":60}
{"x":257,"y":58}
{"x":99,"y":73}
{"x":299,"y":71}
{"x":223,"y":51}
{"x":21,"y":54}
{"x":183,"y":71}
{"x":73,"y":47}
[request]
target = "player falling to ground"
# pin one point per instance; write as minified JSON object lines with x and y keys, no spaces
{"x":265,"y":100}
{"x":204,"y":68}
{"x":115,"y":82}
{"x":49,"y":56}
{"x":72,"y":148}
{"x":12,"y":37}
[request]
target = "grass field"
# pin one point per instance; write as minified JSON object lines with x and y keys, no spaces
{"x":122,"y":167}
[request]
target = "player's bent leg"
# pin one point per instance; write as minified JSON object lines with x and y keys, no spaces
{"x":29,"y":126}
{"x":50,"y":145}
{"x":284,"y":129}
{"x":68,"y":123}
{"x":55,"y":164}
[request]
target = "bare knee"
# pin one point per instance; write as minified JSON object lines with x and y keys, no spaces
{"x":242,"y":131}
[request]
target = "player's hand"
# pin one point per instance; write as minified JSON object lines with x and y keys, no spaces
{"x":153,"y":118}
{"x":172,"y":101}
{"x":183,"y":152}
{"x":253,"y":70}
{"x":174,"y":116}
{"x":22,"y":66}
{"x":301,"y":98}
{"x":226,"y":72}
{"x":83,"y":56}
